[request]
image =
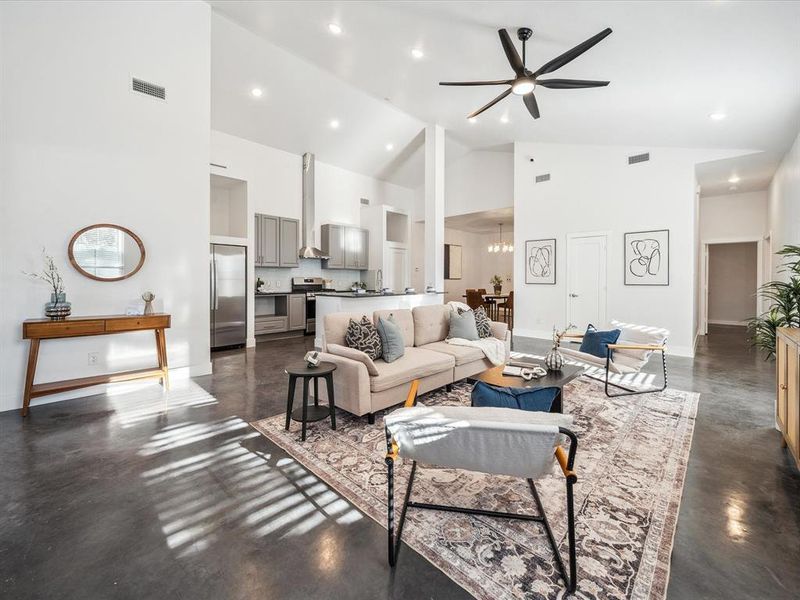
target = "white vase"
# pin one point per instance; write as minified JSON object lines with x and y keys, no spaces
{"x":554,"y":360}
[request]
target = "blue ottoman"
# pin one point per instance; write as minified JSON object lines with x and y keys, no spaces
{"x":538,"y":399}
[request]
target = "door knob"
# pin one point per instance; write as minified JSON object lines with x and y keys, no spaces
{"x":573,"y":295}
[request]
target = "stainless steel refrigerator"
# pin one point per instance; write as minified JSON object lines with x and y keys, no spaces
{"x":228,"y":296}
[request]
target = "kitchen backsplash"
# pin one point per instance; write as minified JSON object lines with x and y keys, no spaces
{"x":281,"y":279}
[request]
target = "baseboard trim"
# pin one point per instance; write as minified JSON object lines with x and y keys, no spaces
{"x":722,"y":322}
{"x":13,"y":402}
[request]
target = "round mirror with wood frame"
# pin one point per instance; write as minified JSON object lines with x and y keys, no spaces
{"x":106,"y":252}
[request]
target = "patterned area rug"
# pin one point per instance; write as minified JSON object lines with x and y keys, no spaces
{"x":631,"y":462}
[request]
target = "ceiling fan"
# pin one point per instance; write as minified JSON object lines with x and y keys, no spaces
{"x":526,"y":81}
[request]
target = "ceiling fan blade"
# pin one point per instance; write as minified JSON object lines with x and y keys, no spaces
{"x":497,"y":82}
{"x":491,"y":104}
{"x":571,"y":55}
{"x":511,"y":52}
{"x":570,"y":84}
{"x":530,"y":103}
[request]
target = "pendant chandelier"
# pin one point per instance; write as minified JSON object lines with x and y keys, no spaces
{"x":500,"y":246}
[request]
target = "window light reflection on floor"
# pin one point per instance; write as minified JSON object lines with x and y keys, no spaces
{"x":227,"y":485}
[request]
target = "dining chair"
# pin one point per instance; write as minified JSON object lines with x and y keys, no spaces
{"x":508,"y":310}
{"x":474,"y":299}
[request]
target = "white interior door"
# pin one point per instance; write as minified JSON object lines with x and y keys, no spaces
{"x":586,"y":280}
{"x":396,"y":276}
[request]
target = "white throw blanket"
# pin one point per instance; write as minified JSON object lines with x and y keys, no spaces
{"x":492,"y":348}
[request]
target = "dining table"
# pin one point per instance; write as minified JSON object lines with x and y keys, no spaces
{"x":493,"y":302}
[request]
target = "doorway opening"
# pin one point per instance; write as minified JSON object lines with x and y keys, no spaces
{"x":733,"y":274}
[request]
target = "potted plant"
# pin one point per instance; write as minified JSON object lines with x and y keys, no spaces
{"x":784,"y":310}
{"x":497,"y":282}
{"x":58,"y":308}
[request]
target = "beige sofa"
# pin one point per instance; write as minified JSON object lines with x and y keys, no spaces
{"x":362,"y":386}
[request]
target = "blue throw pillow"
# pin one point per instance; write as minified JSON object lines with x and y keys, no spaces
{"x":540,"y":400}
{"x":596,"y":342}
{"x":392,"y":341}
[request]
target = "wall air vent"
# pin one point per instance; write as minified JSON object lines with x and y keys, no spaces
{"x":365,"y":201}
{"x":632,"y":160}
{"x":543,"y":178}
{"x":150,"y":89}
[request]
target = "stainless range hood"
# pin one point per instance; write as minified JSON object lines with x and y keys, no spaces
{"x":308,"y":249}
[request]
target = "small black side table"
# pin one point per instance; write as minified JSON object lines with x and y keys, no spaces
{"x":307,"y":413}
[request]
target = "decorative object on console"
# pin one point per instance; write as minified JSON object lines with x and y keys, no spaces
{"x":148,"y":298}
{"x":540,"y":261}
{"x":363,"y":336}
{"x":58,"y":308}
{"x":497,"y":283}
{"x":452,"y":261}
{"x":647,"y":257}
{"x":106,"y":252}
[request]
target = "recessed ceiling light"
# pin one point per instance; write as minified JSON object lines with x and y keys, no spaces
{"x":717,"y":116}
{"x":472,"y":120}
{"x":334,"y":124}
{"x":334,"y":28}
{"x":256,"y":92}
{"x":504,"y":119}
{"x":734,"y":179}
{"x":417,"y":53}
{"x":389,"y":147}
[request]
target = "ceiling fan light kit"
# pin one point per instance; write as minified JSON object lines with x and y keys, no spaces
{"x":525,"y":81}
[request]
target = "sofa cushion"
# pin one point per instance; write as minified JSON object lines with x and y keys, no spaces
{"x":353,"y":354}
{"x":403,"y":319}
{"x":335,"y":326}
{"x":416,"y":363}
{"x":431,"y":323}
{"x":462,"y":354}
{"x":391,"y":339}
{"x":462,"y":325}
{"x":363,"y":336}
{"x":637,"y":334}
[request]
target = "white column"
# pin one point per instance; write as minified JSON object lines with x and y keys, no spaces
{"x":434,"y":207}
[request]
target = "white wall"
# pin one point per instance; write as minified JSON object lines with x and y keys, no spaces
{"x":784,"y":205}
{"x":732,"y":282}
{"x":593,"y":189}
{"x":275,"y":187}
{"x":733,"y":216}
{"x":478,"y":181}
{"x":78,"y":147}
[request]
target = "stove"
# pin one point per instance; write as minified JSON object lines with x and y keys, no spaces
{"x":309,"y":285}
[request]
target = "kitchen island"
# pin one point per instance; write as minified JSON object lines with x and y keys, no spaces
{"x":366,"y":304}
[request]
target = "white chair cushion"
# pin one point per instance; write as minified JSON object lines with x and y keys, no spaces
{"x":596,"y":361}
{"x":503,"y":441}
{"x":637,"y":334}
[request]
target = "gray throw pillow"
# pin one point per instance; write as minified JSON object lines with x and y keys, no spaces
{"x":392,"y":341}
{"x":482,"y":322}
{"x":463,"y":325}
{"x":363,"y":336}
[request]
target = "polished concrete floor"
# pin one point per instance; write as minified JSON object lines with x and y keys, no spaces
{"x":136,"y":494}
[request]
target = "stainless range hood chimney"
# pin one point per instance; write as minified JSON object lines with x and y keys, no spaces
{"x":308,"y":249}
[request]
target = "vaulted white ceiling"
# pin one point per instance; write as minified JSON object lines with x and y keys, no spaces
{"x":670,"y":64}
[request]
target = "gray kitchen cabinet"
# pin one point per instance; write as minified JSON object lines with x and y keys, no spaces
{"x":332,"y":243}
{"x":348,"y":247}
{"x":275,"y":241}
{"x":289,"y":242}
{"x":297,"y":312}
{"x":356,"y":254}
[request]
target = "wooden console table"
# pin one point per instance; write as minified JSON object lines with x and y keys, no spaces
{"x":787,"y":401}
{"x":37,"y":330}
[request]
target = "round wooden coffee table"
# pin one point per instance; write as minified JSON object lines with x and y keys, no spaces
{"x":308,"y":414}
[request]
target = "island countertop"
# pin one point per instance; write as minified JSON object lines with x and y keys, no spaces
{"x":374,"y":294}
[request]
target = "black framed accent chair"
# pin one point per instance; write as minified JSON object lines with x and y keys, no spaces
{"x":621,"y":367}
{"x":446,"y":436}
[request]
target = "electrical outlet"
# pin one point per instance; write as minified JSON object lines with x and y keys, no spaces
{"x":93,"y":357}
